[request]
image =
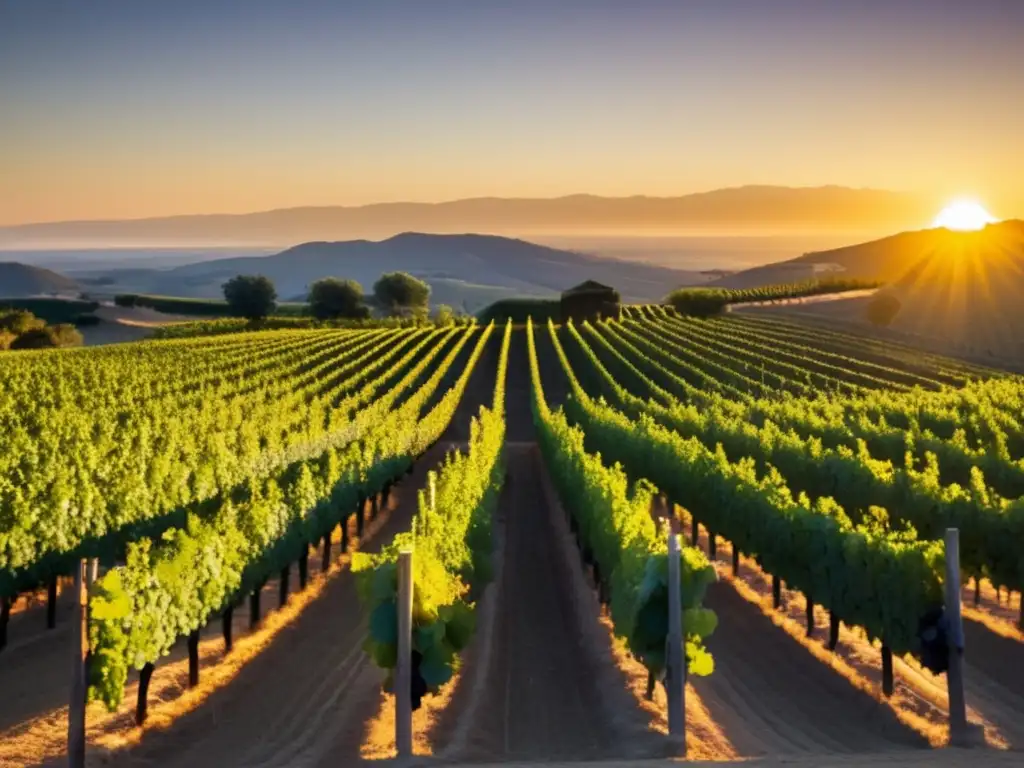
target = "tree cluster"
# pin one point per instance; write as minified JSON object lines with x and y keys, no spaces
{"x":395,"y":294}
{"x":20,"y":329}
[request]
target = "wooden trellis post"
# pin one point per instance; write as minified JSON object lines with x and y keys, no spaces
{"x":79,"y":650}
{"x":958,"y":734}
{"x":403,"y":670}
{"x":675,"y":680}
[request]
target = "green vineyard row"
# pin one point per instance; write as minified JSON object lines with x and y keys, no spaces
{"x":451,"y":539}
{"x":169,"y":588}
{"x":620,"y":538}
{"x":105,"y":476}
{"x":869,"y":491}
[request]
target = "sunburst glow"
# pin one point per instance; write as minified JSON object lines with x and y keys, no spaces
{"x":964,"y":215}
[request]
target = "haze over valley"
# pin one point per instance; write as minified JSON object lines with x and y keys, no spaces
{"x":671,"y":242}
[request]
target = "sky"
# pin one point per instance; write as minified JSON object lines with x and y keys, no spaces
{"x":133,"y":108}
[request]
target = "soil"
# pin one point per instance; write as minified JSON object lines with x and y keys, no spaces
{"x":992,"y":670}
{"x":541,"y":699}
{"x":770,"y":696}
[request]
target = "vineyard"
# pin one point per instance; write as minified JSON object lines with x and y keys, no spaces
{"x":237,"y":505}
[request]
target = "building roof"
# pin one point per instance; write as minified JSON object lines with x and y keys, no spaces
{"x":588,"y":286}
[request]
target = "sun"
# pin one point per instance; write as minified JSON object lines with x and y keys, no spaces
{"x":964,"y":215}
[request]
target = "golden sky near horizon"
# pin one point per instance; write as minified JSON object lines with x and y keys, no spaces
{"x":124,"y":110}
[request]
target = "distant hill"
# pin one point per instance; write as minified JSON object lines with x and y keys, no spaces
{"x":20,"y":280}
{"x":964,"y":288}
{"x":887,"y":259}
{"x":466,"y":271}
{"x":739,"y":209}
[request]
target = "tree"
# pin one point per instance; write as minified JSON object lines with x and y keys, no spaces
{"x":250,"y":296}
{"x":19,"y":321}
{"x":400,"y":292}
{"x":883,"y":310}
{"x":62,"y":335}
{"x":331,"y":298}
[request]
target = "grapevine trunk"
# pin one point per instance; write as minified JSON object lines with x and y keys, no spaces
{"x":226,"y":628}
{"x":193,"y":659}
{"x":142,"y":705}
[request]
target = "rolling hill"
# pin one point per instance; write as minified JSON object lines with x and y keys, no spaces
{"x":740,"y":209}
{"x":466,"y":271}
{"x":887,"y":259}
{"x":20,"y":280}
{"x":963,"y":288}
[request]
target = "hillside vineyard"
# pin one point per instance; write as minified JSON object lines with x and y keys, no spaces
{"x":198,"y":471}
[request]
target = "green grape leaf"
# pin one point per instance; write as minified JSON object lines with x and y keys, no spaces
{"x":384,"y":624}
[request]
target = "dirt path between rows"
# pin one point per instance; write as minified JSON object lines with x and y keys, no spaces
{"x":542,"y":700}
{"x":544,"y":688}
{"x":770,"y":696}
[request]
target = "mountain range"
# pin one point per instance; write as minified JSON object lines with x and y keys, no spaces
{"x":734,"y":210}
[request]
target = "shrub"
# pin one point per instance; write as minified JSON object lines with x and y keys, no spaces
{"x":65,"y":335}
{"x":250,"y":296}
{"x":331,"y":298}
{"x":181,"y":305}
{"x":50,"y":311}
{"x":703,"y":302}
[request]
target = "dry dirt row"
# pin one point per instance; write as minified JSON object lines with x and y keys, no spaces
{"x":545,"y":688}
{"x":770,"y":696}
{"x":542,"y":697}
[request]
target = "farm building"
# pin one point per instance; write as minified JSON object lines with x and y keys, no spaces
{"x":590,"y":301}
